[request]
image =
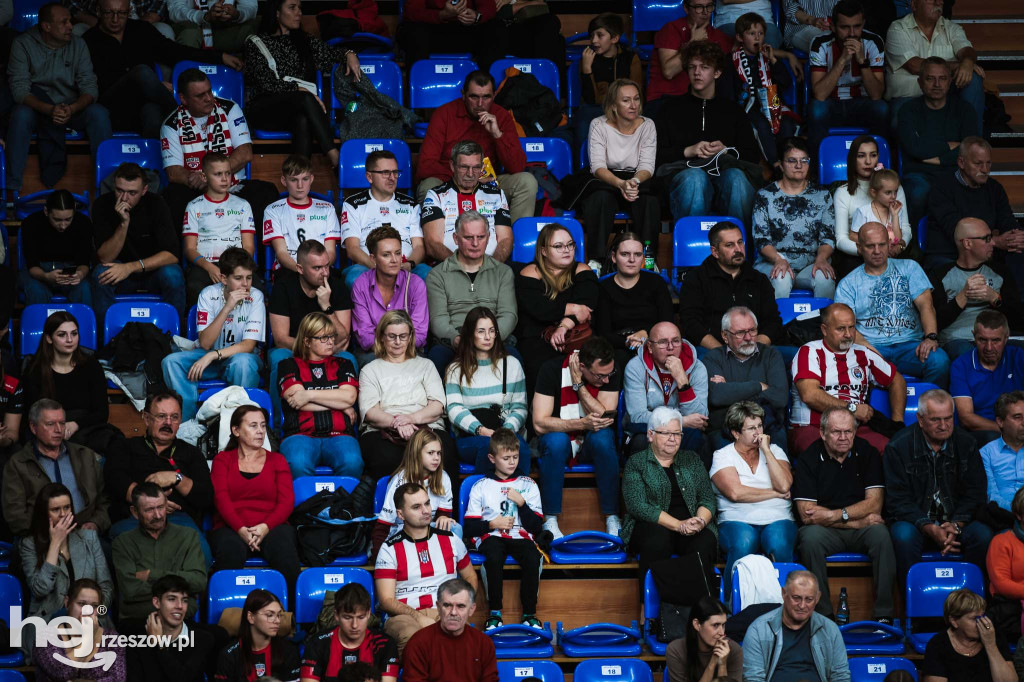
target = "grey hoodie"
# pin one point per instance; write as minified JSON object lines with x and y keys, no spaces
{"x":644,"y":391}
{"x":63,"y":73}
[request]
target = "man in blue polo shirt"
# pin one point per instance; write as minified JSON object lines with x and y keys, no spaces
{"x":978,"y":378}
{"x":1004,"y":457}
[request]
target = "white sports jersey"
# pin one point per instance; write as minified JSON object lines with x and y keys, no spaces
{"x":826,"y":49}
{"x":445,"y":201}
{"x":246,"y":321}
{"x":419,"y":567}
{"x":295,"y":224}
{"x":361,"y":214}
{"x":180,"y":147}
{"x":489,"y":499}
{"x":439,"y":503}
{"x":217,"y":225}
{"x":847,"y":376}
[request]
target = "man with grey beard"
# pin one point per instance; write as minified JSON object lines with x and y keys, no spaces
{"x":745,"y":369}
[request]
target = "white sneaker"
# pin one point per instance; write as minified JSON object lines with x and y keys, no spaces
{"x":551,"y":524}
{"x":613,"y":525}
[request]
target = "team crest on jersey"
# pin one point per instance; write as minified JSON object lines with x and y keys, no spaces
{"x":261,"y":670}
{"x":219,"y":212}
{"x":384,"y":210}
{"x":300,"y":217}
{"x":424,"y":555}
{"x":857,"y":373}
{"x":318,"y":372}
{"x":467,"y":205}
{"x":192,"y":162}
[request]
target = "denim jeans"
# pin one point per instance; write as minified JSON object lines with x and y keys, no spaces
{"x":474,"y":449}
{"x":274,"y":357}
{"x":822,"y":286}
{"x":739,"y":539}
{"x":352,"y":272}
{"x":694,"y":192}
{"x":862,"y":112}
{"x":168,"y":281}
{"x":40,"y":292}
{"x":598,"y":447}
{"x":909,"y":542}
{"x":178,"y":518}
{"x":340,"y":453}
{"x":935,"y":370}
{"x":241,"y":369}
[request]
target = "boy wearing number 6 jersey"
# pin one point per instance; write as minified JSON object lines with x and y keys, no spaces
{"x":292,"y":220}
{"x":230,"y":318}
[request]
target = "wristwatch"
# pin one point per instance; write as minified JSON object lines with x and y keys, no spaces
{"x":177,"y":478}
{"x":846,"y":515}
{"x":852,"y":407}
{"x":684,"y":388}
{"x":576,"y":387}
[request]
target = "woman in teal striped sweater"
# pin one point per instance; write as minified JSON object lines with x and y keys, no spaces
{"x":486,"y":390}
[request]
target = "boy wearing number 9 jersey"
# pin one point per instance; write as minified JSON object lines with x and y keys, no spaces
{"x":292,"y":220}
{"x":230,"y":319}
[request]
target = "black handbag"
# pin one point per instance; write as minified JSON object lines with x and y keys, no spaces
{"x":672,"y":623}
{"x":682,"y":582}
{"x":491,"y":416}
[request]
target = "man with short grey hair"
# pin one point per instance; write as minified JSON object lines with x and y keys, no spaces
{"x":935,"y":483}
{"x":48,"y":458}
{"x":448,"y":649}
{"x":465,"y":191}
{"x":745,"y":369}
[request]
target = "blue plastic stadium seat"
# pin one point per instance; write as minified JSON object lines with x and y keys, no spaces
{"x":314,"y":583}
{"x":522,"y":641}
{"x":651,"y":15}
{"x":875,"y":668}
{"x":385,"y":74}
{"x":879,"y":400}
{"x":26,"y":205}
{"x":690,"y":244}
{"x":8,"y":675}
{"x":832,"y":156}
{"x":922,"y":232}
{"x":846,"y":558}
{"x":588,"y":547}
{"x":928,"y":585}
{"x":782,"y":569}
{"x":115,"y":151}
{"x":26,"y":14}
{"x":257,"y":395}
{"x":33,"y":318}
{"x":228,"y":588}
{"x":867,"y":637}
{"x":437,"y":81}
{"x":475,"y":557}
{"x":163,"y":315}
{"x":225,"y":82}
{"x":379,"y":492}
{"x":791,"y":308}
{"x":613,"y":670}
{"x":10,"y":595}
{"x":307,"y":486}
{"x":652,"y":612}
{"x":600,"y":639}
{"x":544,"y":70}
{"x":352,"y":162}
{"x":525,"y":231}
{"x":545,"y":671}
{"x":553,"y":152}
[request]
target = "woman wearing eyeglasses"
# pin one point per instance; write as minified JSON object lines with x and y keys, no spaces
{"x":670,"y":504}
{"x":262,"y":648}
{"x":752,"y":478}
{"x":794,"y":227}
{"x":555,"y":293}
{"x":399,"y":394}
{"x":318,"y":397}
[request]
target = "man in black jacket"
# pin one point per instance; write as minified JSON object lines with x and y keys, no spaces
{"x":935,"y":483}
{"x":722,"y":281}
{"x":123,"y":53}
{"x":694,"y":128}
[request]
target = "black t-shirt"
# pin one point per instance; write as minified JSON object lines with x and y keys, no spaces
{"x":549,"y":382}
{"x":41,"y":243}
{"x":796,"y":663}
{"x":820,"y":479}
{"x":641,"y":307}
{"x":941,"y":660}
{"x":132,"y":460}
{"x":229,"y":664}
{"x":150,"y":228}
{"x":288,"y":299}
{"x":677,"y":505}
{"x":325,"y":656}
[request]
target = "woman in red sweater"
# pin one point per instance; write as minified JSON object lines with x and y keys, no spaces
{"x":1005,"y":563}
{"x":252,"y":489}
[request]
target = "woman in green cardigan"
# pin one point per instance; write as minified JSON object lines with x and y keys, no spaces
{"x":670,"y":504}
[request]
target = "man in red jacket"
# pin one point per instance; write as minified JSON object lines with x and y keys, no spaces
{"x":430,"y":26}
{"x":476,"y":117}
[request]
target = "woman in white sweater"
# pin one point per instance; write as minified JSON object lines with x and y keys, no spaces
{"x":622,"y":147}
{"x":861,"y":162}
{"x":399,"y":394}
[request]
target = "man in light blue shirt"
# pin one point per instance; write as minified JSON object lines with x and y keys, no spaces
{"x":893,"y":304}
{"x":1003,"y":458}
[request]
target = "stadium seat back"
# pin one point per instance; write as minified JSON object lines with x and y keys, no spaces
{"x":225,"y":82}
{"x":352,"y":166}
{"x":229,"y":588}
{"x":553,"y":152}
{"x":385,"y":74}
{"x":525,"y":231}
{"x":832,"y":153}
{"x":875,"y":668}
{"x":314,"y":583}
{"x":117,"y":150}
{"x":612,"y":670}
{"x":879,"y":400}
{"x":511,"y":671}
{"x":690,"y":244}
{"x":26,"y":14}
{"x":651,"y":15}
{"x":433,"y":82}
{"x":306,"y":487}
{"x":467,"y":486}
{"x":163,"y":315}
{"x":8,"y":675}
{"x":782,"y":571}
{"x":544,"y":70}
{"x":792,"y":308}
{"x":929,"y":583}
{"x":379,"y":492}
{"x":34,"y":317}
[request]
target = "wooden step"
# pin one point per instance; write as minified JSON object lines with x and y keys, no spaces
{"x":969,"y":9}
{"x":1003,"y":36}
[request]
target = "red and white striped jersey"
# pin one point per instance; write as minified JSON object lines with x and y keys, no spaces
{"x":419,"y":567}
{"x":847,"y":376}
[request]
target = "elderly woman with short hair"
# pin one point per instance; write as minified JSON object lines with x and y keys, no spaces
{"x":670,"y":504}
{"x":752,"y":477}
{"x":969,"y":648}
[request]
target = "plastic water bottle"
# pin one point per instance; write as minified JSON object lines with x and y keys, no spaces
{"x":649,"y":263}
{"x":843,"y":613}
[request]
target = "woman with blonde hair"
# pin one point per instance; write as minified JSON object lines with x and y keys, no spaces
{"x":969,"y":648}
{"x":556,"y":294}
{"x":400,"y":394}
{"x":318,"y":396}
{"x":622,"y":146}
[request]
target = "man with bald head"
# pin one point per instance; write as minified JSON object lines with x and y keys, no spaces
{"x":893,"y":304}
{"x":666,"y":372}
{"x":963,"y":288}
{"x":794,"y":642}
{"x":934,"y":484}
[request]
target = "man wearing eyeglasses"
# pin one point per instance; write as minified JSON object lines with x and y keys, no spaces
{"x":971,"y":284}
{"x":445,"y":202}
{"x":666,"y":373}
{"x":668,"y":74}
